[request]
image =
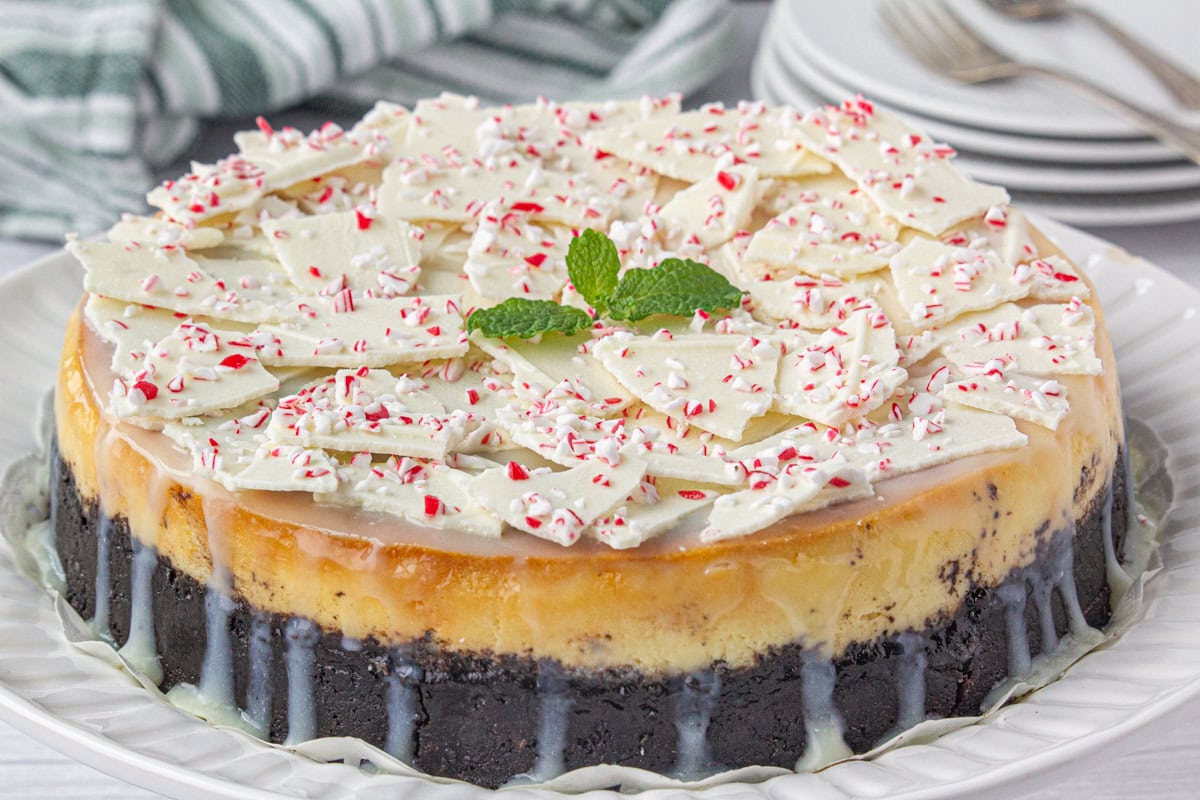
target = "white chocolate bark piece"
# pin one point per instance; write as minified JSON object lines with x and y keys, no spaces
{"x":448,"y":190}
{"x":1052,"y":280}
{"x":225,"y":289}
{"x":693,"y":145}
{"x":845,"y":372}
{"x":753,"y":509}
{"x":938,"y":282}
{"x":921,"y":432}
{"x":558,"y":505}
{"x":1038,"y":340}
{"x":425,"y":493}
{"x":908,"y":175}
{"x":657,"y":506}
{"x":158,"y":232}
{"x":811,"y":302}
{"x":196,"y":370}
{"x":834,"y":229}
{"x":509,"y":256}
{"x":587,"y":388}
{"x":234,"y":451}
{"x":313,"y":418}
{"x":715,"y":382}
{"x":287,"y":156}
{"x":131,"y":328}
{"x":711,"y":211}
{"x":1039,"y":400}
{"x":375,"y":388}
{"x":326,"y":253}
{"x":209,"y":190}
{"x":351,"y":330}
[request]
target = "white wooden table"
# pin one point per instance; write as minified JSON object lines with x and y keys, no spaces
{"x":1162,"y":761}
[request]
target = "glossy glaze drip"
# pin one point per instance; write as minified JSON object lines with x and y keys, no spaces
{"x":694,"y":705}
{"x":104,"y":535}
{"x":258,"y":689}
{"x":216,"y":672}
{"x":1062,"y":574}
{"x":141,"y":649}
{"x":1042,"y":595}
{"x":403,"y":706}
{"x":1014,"y":597}
{"x":302,"y":636}
{"x":1118,"y":580}
{"x":823,"y":724}
{"x":554,"y":703}
{"x":910,"y":681}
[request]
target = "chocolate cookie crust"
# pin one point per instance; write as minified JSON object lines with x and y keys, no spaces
{"x":477,"y":715}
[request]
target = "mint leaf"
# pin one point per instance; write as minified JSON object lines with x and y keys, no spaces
{"x":592,"y":266}
{"x":525,"y":319}
{"x":676,"y":286}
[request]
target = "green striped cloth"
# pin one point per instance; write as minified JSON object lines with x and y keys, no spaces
{"x":96,"y":95}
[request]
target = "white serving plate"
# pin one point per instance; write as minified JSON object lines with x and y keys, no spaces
{"x":1012,"y":171}
{"x":81,"y":706}
{"x":851,"y":40}
{"x":773,"y":83}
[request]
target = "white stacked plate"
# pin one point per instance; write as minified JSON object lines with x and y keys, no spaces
{"x":1056,"y":152}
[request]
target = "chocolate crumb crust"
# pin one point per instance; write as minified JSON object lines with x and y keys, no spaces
{"x":476,"y":715}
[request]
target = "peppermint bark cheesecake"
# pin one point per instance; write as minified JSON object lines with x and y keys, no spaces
{"x":516,"y":440}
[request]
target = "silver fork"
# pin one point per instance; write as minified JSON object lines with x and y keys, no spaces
{"x":935,"y":35}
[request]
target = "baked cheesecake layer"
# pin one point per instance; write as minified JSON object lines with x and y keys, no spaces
{"x":830,"y":578}
{"x":488,"y":717}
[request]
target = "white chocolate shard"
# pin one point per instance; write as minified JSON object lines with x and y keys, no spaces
{"x":209,"y":190}
{"x":558,"y":505}
{"x":908,"y":175}
{"x":716,"y":382}
{"x":834,"y":229}
{"x":510,"y":256}
{"x":844,"y":372}
{"x":1039,"y":400}
{"x":287,"y":156}
{"x":760,"y":506}
{"x":693,"y":145}
{"x":656,"y":506}
{"x":711,"y":211}
{"x":158,"y":232}
{"x":370,"y":388}
{"x":921,"y":431}
{"x":424,"y":493}
{"x":131,"y":328}
{"x":166,"y":277}
{"x":450,"y":190}
{"x":327,"y":253}
{"x":809,"y":301}
{"x":195,"y":370}
{"x":1052,"y":279}
{"x":937,"y":282}
{"x":314,"y":418}
{"x":352,"y":330}
{"x":234,"y":451}
{"x":1045,"y":339}
{"x":559,"y":370}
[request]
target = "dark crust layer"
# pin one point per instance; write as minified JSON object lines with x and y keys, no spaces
{"x":478,"y":713}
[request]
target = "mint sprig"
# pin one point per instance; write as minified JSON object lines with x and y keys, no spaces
{"x":592,"y":266}
{"x":680,"y":287}
{"x":524,"y":318}
{"x":677,"y":286}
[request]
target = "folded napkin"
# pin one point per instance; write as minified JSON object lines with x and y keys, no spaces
{"x":95,"y":96}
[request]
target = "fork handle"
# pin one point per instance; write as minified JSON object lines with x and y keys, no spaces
{"x":1165,"y":130}
{"x":1183,"y":86}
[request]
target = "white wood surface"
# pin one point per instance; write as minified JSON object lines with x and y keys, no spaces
{"x":1161,"y":761}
